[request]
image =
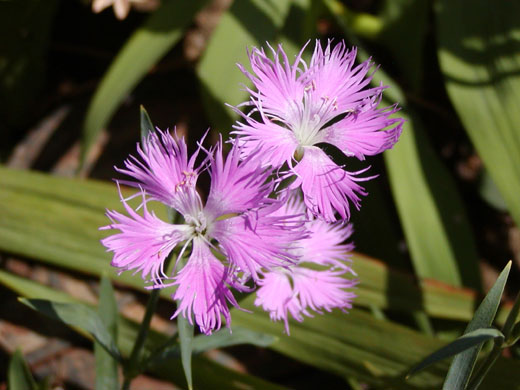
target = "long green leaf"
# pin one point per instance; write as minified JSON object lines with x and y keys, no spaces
{"x":462,"y":365}
{"x":461,"y":344}
{"x":106,"y":365}
{"x":147,"y":45}
{"x":62,"y":216}
{"x":18,"y":374}
{"x":186,"y":340}
{"x":207,"y":374}
{"x":79,"y":316}
{"x":479,"y":56}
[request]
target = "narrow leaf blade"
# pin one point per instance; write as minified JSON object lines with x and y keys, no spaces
{"x":106,"y":365}
{"x":186,"y":341}
{"x":462,"y":365}
{"x":461,"y":344}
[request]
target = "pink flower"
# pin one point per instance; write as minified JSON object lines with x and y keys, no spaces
{"x":237,"y":222}
{"x":297,"y":106}
{"x":318,"y":282}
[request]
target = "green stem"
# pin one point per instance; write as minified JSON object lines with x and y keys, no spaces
{"x":132,"y":369}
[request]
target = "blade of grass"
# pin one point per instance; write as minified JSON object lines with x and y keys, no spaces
{"x":106,"y":366}
{"x":461,"y":344}
{"x":462,"y":365}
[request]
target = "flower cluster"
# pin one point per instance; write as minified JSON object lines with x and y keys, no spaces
{"x":255,"y":231}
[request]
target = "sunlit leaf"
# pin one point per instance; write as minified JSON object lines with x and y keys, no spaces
{"x":186,"y":339}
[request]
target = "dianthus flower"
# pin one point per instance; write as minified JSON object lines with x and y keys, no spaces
{"x":238,"y":222}
{"x":318,"y":281}
{"x":298,"y":106}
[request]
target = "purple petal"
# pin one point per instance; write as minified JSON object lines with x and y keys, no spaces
{"x":277,"y":81}
{"x":236,"y":185}
{"x":144,"y":242}
{"x":367,"y":131}
{"x":299,"y":290}
{"x":327,"y":188}
{"x":320,"y":290}
{"x":202,"y":290}
{"x":259,"y":240}
{"x":164,"y":170}
{"x":325,"y":244}
{"x":334,"y":77}
{"x":271,"y":143}
{"x":277,"y":297}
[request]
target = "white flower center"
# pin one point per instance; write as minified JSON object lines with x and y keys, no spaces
{"x":309,"y":116}
{"x":198,"y":223}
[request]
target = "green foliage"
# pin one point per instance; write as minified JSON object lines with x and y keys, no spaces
{"x":466,"y":341}
{"x":466,"y":348}
{"x":106,"y":366}
{"x":146,"y":123}
{"x":186,"y":344}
